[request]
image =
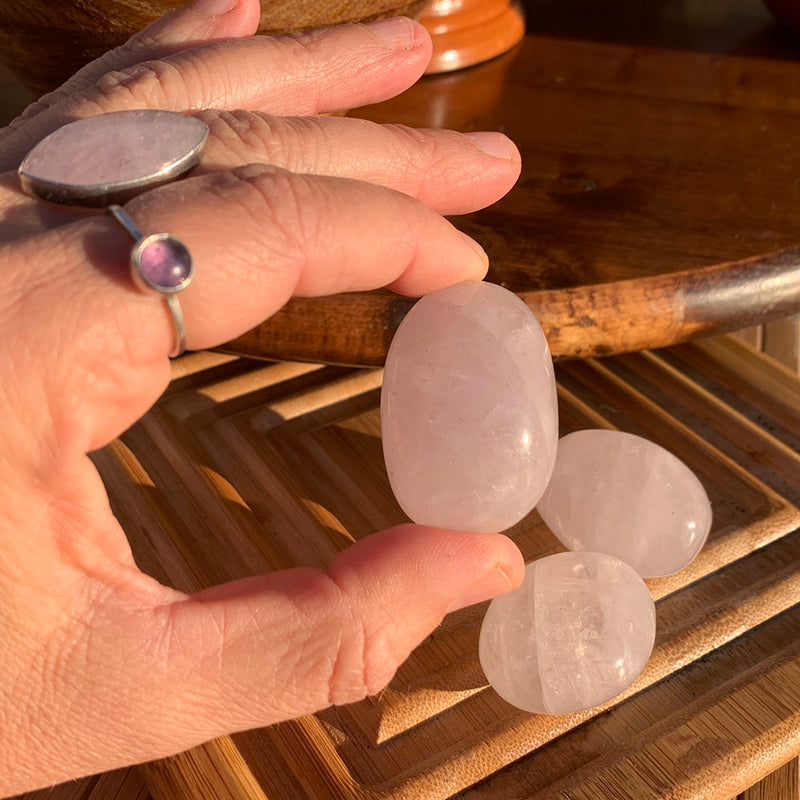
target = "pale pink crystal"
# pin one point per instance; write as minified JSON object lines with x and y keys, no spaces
{"x":618,"y":493}
{"x":468,"y":410}
{"x":109,"y":149}
{"x":577,"y":632}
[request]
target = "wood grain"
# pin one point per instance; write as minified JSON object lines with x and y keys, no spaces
{"x":629,"y":227}
{"x":124,"y":784}
{"x":783,"y":784}
{"x":781,"y":339}
{"x":215,"y":772}
{"x":277,"y":464}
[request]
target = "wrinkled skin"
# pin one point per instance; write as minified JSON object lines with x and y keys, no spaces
{"x":102,"y":666}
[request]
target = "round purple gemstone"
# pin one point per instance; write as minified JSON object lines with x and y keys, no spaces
{"x":164,"y":263}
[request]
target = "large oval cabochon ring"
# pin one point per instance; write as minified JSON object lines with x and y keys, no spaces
{"x":112,"y":157}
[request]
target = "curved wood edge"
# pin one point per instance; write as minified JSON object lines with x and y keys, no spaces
{"x":584,"y":321}
{"x":471,"y":32}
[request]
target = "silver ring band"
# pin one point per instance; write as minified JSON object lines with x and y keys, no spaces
{"x":162,"y":264}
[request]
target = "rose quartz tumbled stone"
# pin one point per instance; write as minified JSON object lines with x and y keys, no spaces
{"x":618,"y":493}
{"x":576,"y":633}
{"x":468,"y":409}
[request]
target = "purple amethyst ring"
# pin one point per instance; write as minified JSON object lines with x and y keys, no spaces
{"x":159,"y":263}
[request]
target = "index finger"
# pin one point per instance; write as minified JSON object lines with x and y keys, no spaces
{"x":258,"y":235}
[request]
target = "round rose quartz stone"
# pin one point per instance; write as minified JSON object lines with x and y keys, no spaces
{"x":617,"y":493}
{"x":468,"y":409}
{"x":577,"y":632}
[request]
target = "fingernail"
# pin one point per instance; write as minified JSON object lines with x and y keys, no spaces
{"x":491,"y":584}
{"x":482,"y":264}
{"x":214,"y":8}
{"x":494,"y":144}
{"x":399,"y":33}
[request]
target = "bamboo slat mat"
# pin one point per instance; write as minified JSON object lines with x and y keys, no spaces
{"x":247,"y":466}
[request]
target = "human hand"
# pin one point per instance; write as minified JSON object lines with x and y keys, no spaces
{"x":102,"y":666}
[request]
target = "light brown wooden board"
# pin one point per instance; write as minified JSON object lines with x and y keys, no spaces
{"x":245,"y":467}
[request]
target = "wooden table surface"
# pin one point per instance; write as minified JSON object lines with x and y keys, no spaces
{"x":274,"y":464}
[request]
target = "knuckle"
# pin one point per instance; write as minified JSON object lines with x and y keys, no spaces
{"x":144,"y":41}
{"x":365,"y":661}
{"x":312,"y":41}
{"x":289,"y":201}
{"x":438,"y":169}
{"x":380,"y":659}
{"x":429,"y":154}
{"x":276,"y":187}
{"x":266,"y":202}
{"x":290,"y":142}
{"x":237,"y":131}
{"x":148,"y":83}
{"x":366,"y":655}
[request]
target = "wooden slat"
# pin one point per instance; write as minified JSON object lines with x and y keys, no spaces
{"x":214,"y":772}
{"x":780,"y":340}
{"x":783,"y":784}
{"x":125,"y":784}
{"x":281,"y":464}
{"x":752,"y":336}
{"x":706,"y":732}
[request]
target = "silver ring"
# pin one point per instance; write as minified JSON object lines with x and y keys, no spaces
{"x":159,"y":263}
{"x":110,"y":158}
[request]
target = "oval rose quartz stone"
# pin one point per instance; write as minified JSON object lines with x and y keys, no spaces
{"x":577,"y":632}
{"x":614,"y":492}
{"x":91,"y":159}
{"x":468,"y":409}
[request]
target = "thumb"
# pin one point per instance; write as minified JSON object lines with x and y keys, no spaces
{"x":134,"y":682}
{"x":297,"y":641}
